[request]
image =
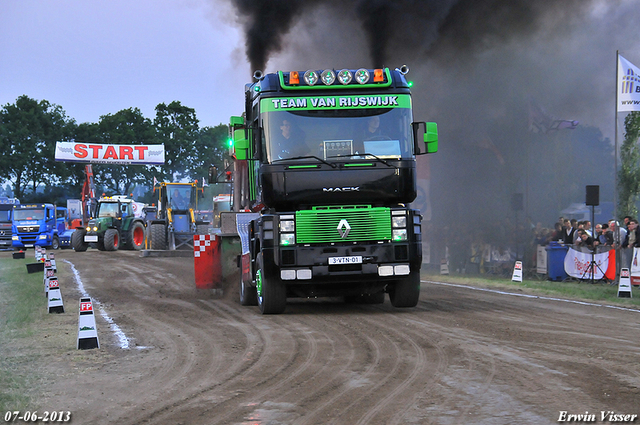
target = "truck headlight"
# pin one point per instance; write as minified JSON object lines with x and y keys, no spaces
{"x":42,"y":237}
{"x":15,"y":238}
{"x":399,"y":235}
{"x":397,"y":221}
{"x":287,"y":239}
{"x":287,"y":226}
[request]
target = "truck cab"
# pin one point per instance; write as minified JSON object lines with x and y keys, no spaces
{"x":6,"y":212}
{"x":37,"y":225}
{"x":325,"y":161}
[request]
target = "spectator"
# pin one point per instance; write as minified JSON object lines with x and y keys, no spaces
{"x":579,"y":225}
{"x":619,"y":233}
{"x":587,"y":227}
{"x":584,"y":240}
{"x":631,"y":241}
{"x":556,"y":235}
{"x":568,"y":232}
{"x":606,"y":236}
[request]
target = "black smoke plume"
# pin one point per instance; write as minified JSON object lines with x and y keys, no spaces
{"x":414,"y":27}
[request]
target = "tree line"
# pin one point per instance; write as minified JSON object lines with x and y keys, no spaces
{"x":29,"y":130}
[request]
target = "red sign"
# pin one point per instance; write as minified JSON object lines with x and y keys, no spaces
{"x":53,"y":284}
{"x":50,"y":273}
{"x":86,"y":306}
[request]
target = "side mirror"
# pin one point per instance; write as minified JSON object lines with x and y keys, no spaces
{"x":431,"y":137}
{"x":213,"y":175}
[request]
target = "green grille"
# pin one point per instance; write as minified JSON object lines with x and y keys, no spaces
{"x":320,"y":224}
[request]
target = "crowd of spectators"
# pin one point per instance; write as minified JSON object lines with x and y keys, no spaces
{"x":603,"y":236}
{"x":487,"y":248}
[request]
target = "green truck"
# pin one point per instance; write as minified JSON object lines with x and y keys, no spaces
{"x":324,"y":171}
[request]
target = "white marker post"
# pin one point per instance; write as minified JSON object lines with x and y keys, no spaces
{"x":87,"y":332}
{"x":517,"y":272}
{"x":624,"y":287}
{"x":55,"y":296}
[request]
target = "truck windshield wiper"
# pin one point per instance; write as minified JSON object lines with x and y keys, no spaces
{"x":364,"y":156}
{"x":306,"y":157}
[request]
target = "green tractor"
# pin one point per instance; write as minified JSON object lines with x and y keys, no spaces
{"x":176,"y":221}
{"x":115,"y":226}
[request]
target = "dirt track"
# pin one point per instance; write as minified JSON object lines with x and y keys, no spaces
{"x":461,"y":357}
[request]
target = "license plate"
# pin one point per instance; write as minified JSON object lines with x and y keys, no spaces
{"x":29,"y":245}
{"x":355,"y":259}
{"x":91,"y":238}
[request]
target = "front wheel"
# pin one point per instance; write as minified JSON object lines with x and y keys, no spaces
{"x":158,"y":236}
{"x":111,"y":240}
{"x":405,"y":292}
{"x":136,"y":236}
{"x":77,"y":240}
{"x":55,"y":243}
{"x":272,"y":294}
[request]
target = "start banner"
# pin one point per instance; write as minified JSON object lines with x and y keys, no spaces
{"x":101,"y":153}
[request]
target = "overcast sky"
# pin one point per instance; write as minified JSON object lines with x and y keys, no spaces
{"x":98,"y":57}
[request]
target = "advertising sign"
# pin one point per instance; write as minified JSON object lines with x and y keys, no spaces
{"x":101,"y":153}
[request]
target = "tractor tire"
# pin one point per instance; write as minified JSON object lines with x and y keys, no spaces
{"x":271,"y":292}
{"x":135,"y":236}
{"x":111,"y":240}
{"x":158,"y":236}
{"x":77,"y":240}
{"x":405,"y":292}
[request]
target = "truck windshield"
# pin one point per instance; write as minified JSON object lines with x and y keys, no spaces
{"x":108,"y":209}
{"x":332,"y":134}
{"x":5,"y":215}
{"x":28,"y":214}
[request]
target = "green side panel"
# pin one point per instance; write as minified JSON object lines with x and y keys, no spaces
{"x":240,"y":144}
{"x":320,"y":225}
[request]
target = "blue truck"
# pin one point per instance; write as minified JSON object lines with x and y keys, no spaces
{"x":6,"y":212}
{"x":37,"y":225}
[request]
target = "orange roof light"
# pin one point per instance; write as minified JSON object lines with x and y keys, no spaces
{"x":294,"y":78}
{"x":377,"y":76}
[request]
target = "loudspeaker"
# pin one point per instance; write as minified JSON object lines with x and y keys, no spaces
{"x":593,"y":195}
{"x":516,"y":202}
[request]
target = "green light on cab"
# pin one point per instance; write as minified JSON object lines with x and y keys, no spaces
{"x":410,"y":83}
{"x":230,"y":143}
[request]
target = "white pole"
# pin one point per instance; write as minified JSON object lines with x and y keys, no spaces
{"x":615,"y":174}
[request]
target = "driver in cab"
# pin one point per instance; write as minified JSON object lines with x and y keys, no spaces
{"x":178,"y":202}
{"x":291,"y":142}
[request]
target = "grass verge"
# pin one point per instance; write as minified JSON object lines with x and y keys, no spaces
{"x":30,"y":337}
{"x":21,"y":298}
{"x":599,"y":293}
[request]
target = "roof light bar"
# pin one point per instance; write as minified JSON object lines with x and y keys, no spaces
{"x":362,"y":76}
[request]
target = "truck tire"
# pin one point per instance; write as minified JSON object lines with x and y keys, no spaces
{"x":158,"y":236}
{"x":135,"y":236}
{"x":55,"y":243}
{"x":271,"y":292}
{"x":405,"y":292}
{"x":77,"y":240}
{"x":111,"y":240}
{"x":248,"y":294}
